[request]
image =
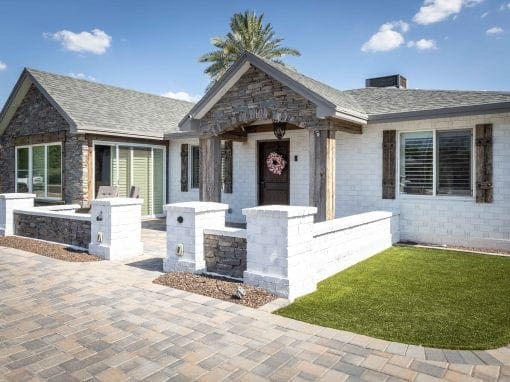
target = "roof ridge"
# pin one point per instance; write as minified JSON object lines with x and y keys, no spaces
{"x":30,"y":70}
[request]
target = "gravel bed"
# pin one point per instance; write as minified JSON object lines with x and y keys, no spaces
{"x":216,"y":287}
{"x":56,"y":251}
{"x":457,"y":248}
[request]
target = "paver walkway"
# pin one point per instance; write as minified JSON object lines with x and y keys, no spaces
{"x":106,"y":321}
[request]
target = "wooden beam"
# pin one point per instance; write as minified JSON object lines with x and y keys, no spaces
{"x":340,"y":125}
{"x":237,"y":136}
{"x":322,"y":173}
{"x":210,"y":169}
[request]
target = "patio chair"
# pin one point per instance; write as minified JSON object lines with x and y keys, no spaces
{"x":107,"y":192}
{"x":134,"y":192}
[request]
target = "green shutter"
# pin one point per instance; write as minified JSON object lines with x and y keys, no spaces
{"x":141,"y":177}
{"x":158,"y":184}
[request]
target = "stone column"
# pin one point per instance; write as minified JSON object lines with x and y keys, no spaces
{"x":8,"y":203}
{"x":279,"y":240}
{"x":116,"y":228}
{"x":185,"y":224}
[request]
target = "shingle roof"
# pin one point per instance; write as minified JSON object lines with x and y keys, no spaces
{"x":382,"y":101}
{"x":96,"y":107}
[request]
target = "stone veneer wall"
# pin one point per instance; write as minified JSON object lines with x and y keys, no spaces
{"x":225,"y":255}
{"x":36,"y":115}
{"x":62,"y":229}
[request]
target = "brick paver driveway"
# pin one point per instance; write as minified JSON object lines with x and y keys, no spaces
{"x":107,"y":321}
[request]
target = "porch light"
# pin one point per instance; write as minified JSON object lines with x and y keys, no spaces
{"x":279,"y":129}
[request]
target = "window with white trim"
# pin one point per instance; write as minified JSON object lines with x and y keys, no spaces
{"x":39,"y":170}
{"x":436,"y":163}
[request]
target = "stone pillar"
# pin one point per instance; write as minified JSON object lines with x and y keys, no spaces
{"x":8,"y":203}
{"x":210,"y":169}
{"x":116,"y":228}
{"x":185,"y":224}
{"x":279,"y":240}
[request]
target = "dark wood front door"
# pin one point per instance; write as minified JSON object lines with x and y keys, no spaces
{"x":273,"y":188}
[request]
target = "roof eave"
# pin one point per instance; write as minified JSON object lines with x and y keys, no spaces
{"x":490,"y":108}
{"x":86,"y":129}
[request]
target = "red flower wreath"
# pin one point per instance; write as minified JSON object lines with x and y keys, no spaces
{"x":275,"y":163}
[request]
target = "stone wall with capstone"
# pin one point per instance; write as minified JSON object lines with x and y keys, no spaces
{"x":225,"y":255}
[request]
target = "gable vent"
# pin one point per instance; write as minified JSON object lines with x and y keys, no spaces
{"x":395,"y":81}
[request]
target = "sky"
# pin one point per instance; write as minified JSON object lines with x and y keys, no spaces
{"x":154,"y":46}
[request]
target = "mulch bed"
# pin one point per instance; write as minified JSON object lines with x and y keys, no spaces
{"x":217,"y":287}
{"x":56,"y":251}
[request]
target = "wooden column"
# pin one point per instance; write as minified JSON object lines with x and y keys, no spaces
{"x":322,"y":173}
{"x":210,"y":169}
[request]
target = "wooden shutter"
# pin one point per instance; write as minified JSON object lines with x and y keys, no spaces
{"x":227,"y":167}
{"x":184,"y":167}
{"x":484,"y":163}
{"x":388,"y":164}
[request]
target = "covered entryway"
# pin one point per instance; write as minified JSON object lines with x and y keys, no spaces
{"x":273,"y":182}
{"x":125,"y":166}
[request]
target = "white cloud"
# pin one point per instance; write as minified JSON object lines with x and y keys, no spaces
{"x":96,"y":41}
{"x":184,"y":96}
{"x":505,"y":7}
{"x":3,"y":65}
{"x":423,"y":44}
{"x":82,"y":76}
{"x":494,"y":31}
{"x":433,"y":11}
{"x":484,"y":15}
{"x":389,"y":37}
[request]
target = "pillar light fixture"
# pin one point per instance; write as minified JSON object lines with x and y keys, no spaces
{"x":279,"y":129}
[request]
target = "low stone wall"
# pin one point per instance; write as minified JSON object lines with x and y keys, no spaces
{"x":63,"y":226}
{"x":225,"y":251}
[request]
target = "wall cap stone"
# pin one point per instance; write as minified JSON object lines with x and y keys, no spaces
{"x":227,"y":231}
{"x":350,"y":221}
{"x":17,"y":196}
{"x":116,"y":202}
{"x":196,"y":207}
{"x":66,"y":214}
{"x":280,"y":211}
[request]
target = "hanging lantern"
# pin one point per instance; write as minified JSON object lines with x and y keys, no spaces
{"x":279,"y":129}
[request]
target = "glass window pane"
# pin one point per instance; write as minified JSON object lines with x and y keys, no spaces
{"x":416,"y":163}
{"x":54,"y":172}
{"x":38,"y":170}
{"x":454,"y":162}
{"x":22,"y":180}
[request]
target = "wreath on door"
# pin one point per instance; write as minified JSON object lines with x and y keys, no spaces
{"x":275,"y":163}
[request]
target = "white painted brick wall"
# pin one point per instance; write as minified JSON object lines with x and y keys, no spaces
{"x":9,"y":203}
{"x":120,"y":228}
{"x":439,"y":220}
{"x":245,"y":186}
{"x":186,"y":223}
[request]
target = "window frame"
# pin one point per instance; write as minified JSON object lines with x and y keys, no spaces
{"x":31,"y":171}
{"x":434,"y":166}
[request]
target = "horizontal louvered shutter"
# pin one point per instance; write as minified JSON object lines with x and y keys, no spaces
{"x":158,"y":184}
{"x":417,"y":163}
{"x":484,"y":187}
{"x":388,"y":160}
{"x":184,"y":167}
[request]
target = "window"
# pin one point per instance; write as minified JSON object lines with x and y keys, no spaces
{"x":436,"y":163}
{"x":39,"y":170}
{"x":195,"y":166}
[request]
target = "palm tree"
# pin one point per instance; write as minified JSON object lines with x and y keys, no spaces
{"x":247,"y":33}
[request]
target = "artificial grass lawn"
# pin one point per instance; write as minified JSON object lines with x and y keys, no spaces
{"x":420,"y":296}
